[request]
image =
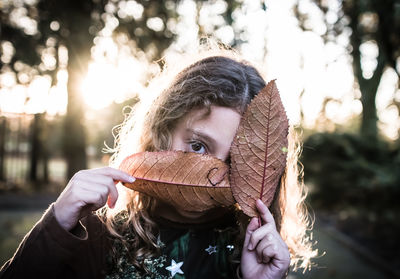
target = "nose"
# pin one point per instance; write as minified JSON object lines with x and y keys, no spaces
{"x":223,"y":153}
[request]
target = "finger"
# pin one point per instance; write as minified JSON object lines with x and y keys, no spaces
{"x":279,"y":255}
{"x":105,"y":190}
{"x":110,"y":202}
{"x":95,"y":178}
{"x":267,"y":240}
{"x":265,"y":214}
{"x":269,"y":252}
{"x":272,"y":250}
{"x":115,"y":174}
{"x":112,"y":195}
{"x":259,"y":234}
{"x":251,"y":227}
{"x":266,"y":254}
{"x":94,"y":200}
{"x":107,"y":181}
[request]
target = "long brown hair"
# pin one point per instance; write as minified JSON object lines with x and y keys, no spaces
{"x":222,"y":80}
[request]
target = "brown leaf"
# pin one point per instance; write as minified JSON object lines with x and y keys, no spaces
{"x":188,"y":181}
{"x":258,"y":152}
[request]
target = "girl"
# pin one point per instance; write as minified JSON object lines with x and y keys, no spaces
{"x":141,"y":237}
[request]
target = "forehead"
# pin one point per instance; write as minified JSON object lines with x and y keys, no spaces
{"x":214,"y":116}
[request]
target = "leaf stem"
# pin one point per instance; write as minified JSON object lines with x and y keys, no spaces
{"x":266,"y":148}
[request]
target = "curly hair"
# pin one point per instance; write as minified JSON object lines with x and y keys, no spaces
{"x":219,"y":79}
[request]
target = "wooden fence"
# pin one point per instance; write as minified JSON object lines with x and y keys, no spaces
{"x":25,"y":159}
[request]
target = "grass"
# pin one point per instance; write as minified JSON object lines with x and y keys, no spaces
{"x":13,"y":227}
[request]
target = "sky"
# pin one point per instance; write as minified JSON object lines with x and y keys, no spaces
{"x":307,"y":70}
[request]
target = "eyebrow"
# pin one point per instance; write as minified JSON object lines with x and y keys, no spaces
{"x":203,"y":136}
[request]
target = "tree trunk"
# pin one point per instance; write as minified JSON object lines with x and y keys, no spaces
{"x":3,"y":123}
{"x":368,"y":129}
{"x":39,"y":152}
{"x":368,"y":87}
{"x":44,"y":156}
{"x":78,"y":44}
{"x":35,"y":148}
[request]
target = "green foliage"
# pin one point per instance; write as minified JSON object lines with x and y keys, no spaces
{"x":346,"y":170}
{"x":366,"y":21}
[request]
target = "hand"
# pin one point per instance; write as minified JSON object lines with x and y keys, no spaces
{"x":88,"y":190}
{"x":265,"y":254}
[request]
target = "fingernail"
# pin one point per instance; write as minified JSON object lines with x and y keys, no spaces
{"x":131,"y":179}
{"x":250,"y":246}
{"x":110,"y":205}
{"x":269,"y":236}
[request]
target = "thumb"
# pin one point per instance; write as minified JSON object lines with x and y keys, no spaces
{"x":113,"y":195}
{"x":251,"y":227}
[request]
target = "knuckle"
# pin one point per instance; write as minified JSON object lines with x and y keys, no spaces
{"x":78,"y":176}
{"x":74,"y":178}
{"x":107,"y":170}
{"x":99,"y":197}
{"x":80,"y":173}
{"x":110,"y":181}
{"x":253,"y":238}
{"x":260,"y":249}
{"x":74,"y":195}
{"x":270,"y":226}
{"x":103,"y":191}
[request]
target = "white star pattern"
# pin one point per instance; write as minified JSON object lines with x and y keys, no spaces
{"x":211,"y":249}
{"x":230,"y":247}
{"x":175,"y":268}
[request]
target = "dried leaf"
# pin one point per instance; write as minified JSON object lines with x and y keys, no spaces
{"x":258,"y":152}
{"x":189,"y":181}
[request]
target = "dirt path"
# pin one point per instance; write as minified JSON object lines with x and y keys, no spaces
{"x":13,"y":201}
{"x":342,"y":258}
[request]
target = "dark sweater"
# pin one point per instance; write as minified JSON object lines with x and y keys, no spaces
{"x":49,"y":251}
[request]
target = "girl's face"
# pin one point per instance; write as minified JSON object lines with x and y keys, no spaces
{"x":208,"y":133}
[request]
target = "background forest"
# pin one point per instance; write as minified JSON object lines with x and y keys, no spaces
{"x":70,"y":68}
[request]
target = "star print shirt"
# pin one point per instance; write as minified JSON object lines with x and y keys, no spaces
{"x":188,"y":251}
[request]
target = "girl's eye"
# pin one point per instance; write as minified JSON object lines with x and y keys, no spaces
{"x":197,"y":147}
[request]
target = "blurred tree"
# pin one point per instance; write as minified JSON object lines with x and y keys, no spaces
{"x":3,"y":124}
{"x":35,"y":34}
{"x":38,"y":152}
{"x":369,"y":25}
{"x":43,"y":37}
